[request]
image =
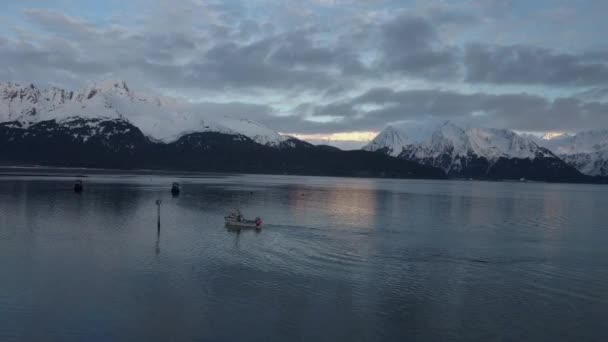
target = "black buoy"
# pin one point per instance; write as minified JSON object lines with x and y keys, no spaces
{"x":78,"y":187}
{"x":175,"y":189}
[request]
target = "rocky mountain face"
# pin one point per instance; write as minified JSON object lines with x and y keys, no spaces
{"x":480,"y":153}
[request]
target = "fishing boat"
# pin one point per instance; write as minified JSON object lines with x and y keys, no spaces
{"x":236,"y":220}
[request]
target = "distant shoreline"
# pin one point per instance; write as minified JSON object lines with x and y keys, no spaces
{"x":63,"y":171}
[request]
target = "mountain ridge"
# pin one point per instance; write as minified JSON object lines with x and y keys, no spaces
{"x":109,"y":117}
{"x":160,"y":118}
{"x":481,"y":153}
{"x":118,"y":144}
{"x":586,"y":150}
{"x":109,"y":125}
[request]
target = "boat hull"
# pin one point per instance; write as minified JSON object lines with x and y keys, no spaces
{"x":242,"y":224}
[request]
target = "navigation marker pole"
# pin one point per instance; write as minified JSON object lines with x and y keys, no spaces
{"x":158,"y":203}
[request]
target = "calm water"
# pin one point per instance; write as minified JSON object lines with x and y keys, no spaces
{"x":338,"y":260}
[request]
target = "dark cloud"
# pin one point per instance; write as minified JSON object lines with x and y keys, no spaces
{"x":235,"y":109}
{"x":411,"y":45}
{"x":231,"y":65}
{"x":446,"y":15}
{"x":520,"y":64}
{"x":515,"y":111}
{"x":596,"y":56}
{"x":297,"y":49}
{"x":249,"y":28}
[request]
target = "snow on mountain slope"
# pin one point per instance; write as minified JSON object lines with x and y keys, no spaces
{"x":495,"y":143}
{"x":391,"y":140}
{"x":587,"y":151}
{"x":484,"y":142}
{"x":162,"y":119}
{"x":453,"y":148}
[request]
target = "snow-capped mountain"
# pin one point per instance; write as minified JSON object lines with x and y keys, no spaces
{"x":471,"y":152}
{"x":160,"y":118}
{"x":391,"y":141}
{"x":587,"y":151}
{"x":109,"y":125}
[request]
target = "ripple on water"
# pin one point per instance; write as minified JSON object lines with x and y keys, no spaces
{"x":400,"y":259}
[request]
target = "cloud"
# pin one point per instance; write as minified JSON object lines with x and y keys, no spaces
{"x":439,"y":13}
{"x":411,"y":45}
{"x":230,"y":52}
{"x":299,"y":50}
{"x":597,"y":94}
{"x":59,"y":22}
{"x":235,"y":66}
{"x":521,"y":64}
{"x":514,"y":111}
{"x":320,"y":66}
{"x":188,"y":58}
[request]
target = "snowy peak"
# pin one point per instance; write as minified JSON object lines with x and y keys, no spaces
{"x":162,"y":119}
{"x":256,"y":131}
{"x":391,"y":140}
{"x":457,"y":141}
{"x":454,"y":148}
{"x":495,"y":143}
{"x":448,"y":137}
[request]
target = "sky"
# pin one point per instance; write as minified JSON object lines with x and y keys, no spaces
{"x":333,"y":71}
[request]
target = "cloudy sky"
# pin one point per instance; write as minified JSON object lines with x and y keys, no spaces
{"x":330,"y":69}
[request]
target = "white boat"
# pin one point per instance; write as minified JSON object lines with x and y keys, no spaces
{"x":236,"y":220}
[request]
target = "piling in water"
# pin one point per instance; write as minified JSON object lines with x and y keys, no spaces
{"x":158,"y":203}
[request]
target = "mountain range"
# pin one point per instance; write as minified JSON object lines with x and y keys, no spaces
{"x":587,"y":151}
{"x":109,"y":125}
{"x":487,"y":153}
{"x":159,"y":118}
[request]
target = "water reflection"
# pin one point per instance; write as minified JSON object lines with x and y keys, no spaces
{"x":157,"y":246}
{"x":237,"y":235}
{"x":342,"y":206}
{"x":338,"y":259}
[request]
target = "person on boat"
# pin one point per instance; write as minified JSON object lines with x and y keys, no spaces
{"x":237,"y":215}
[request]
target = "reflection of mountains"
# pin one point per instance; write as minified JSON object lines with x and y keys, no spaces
{"x":219,"y":198}
{"x":110,"y":206}
{"x":50,"y":208}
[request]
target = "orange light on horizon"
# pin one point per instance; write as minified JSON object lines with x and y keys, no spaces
{"x":340,"y":136}
{"x":551,"y":135}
